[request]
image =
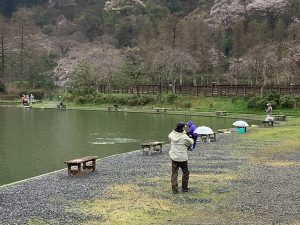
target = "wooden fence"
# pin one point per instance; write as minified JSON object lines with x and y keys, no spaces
{"x":202,"y":90}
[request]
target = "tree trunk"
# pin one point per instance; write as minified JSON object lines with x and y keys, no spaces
{"x":173,"y":84}
{"x":264,"y":77}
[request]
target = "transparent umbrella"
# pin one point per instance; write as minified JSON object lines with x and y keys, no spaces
{"x":240,"y":123}
{"x":204,"y":130}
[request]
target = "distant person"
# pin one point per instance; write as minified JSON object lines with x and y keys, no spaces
{"x":270,"y":120}
{"x":22,"y":98}
{"x":31,"y":98}
{"x":180,"y":142}
{"x":27,"y":98}
{"x":191,"y":128}
{"x":61,"y":105}
{"x":269,"y":110}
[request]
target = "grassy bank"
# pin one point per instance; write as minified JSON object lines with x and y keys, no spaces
{"x":185,"y":104}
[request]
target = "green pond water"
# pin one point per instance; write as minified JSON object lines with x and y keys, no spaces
{"x":38,"y":141}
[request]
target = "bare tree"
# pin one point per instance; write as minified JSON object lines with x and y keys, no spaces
{"x":103,"y":60}
{"x":169,"y":31}
{"x":261,"y":61}
{"x":288,"y":68}
{"x":196,"y":41}
{"x":174,"y":64}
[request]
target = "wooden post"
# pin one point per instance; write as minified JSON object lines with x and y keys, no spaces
{"x":94,"y":165}
{"x":79,"y":168}
{"x":69,"y":170}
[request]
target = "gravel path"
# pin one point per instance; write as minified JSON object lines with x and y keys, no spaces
{"x":268,"y":194}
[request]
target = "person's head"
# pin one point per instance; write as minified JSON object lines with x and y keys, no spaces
{"x":269,"y":104}
{"x":189,"y":123}
{"x":180,"y":127}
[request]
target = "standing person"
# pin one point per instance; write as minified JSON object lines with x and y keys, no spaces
{"x":180,"y":141}
{"x":191,"y":129}
{"x":269,"y":110}
{"x":269,"y":117}
{"x":31,"y":98}
{"x":28,"y":100}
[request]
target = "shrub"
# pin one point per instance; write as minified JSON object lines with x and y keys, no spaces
{"x":89,"y":98}
{"x":121,"y":100}
{"x":146,"y":99}
{"x":236,"y":99}
{"x":249,"y":96}
{"x":80,"y":100}
{"x":98,"y":99}
{"x":171,"y":98}
{"x":107,"y":98}
{"x":261,"y":104}
{"x":187,"y":105}
{"x":288,"y":101}
{"x":252,"y":101}
{"x":274,"y":97}
{"x":2,"y":87}
{"x":133,"y":100}
{"x":67,"y":97}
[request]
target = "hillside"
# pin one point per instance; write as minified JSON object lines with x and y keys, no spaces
{"x":251,"y":42}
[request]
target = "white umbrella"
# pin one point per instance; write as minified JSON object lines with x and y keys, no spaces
{"x":240,"y":123}
{"x":204,"y":130}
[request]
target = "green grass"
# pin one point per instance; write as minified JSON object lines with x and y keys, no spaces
{"x":235,"y":105}
{"x":269,"y":142}
{"x":155,"y":204}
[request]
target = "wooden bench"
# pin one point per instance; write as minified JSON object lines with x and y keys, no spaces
{"x":208,"y":137}
{"x":221,"y":113}
{"x":280,"y":117}
{"x":267,"y":123}
{"x":83,"y":161}
{"x":150,"y":147}
{"x":161,"y":110}
{"x":110,"y":108}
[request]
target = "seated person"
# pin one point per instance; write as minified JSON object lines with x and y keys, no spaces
{"x":24,"y":100}
{"x":61,"y":105}
{"x":190,"y":132}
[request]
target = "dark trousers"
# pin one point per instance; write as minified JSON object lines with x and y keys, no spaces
{"x":195,"y":141}
{"x":185,"y":174}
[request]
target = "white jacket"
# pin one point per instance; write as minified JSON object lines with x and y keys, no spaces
{"x":179,"y":144}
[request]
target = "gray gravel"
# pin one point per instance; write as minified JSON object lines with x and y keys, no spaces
{"x":271,"y":195}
